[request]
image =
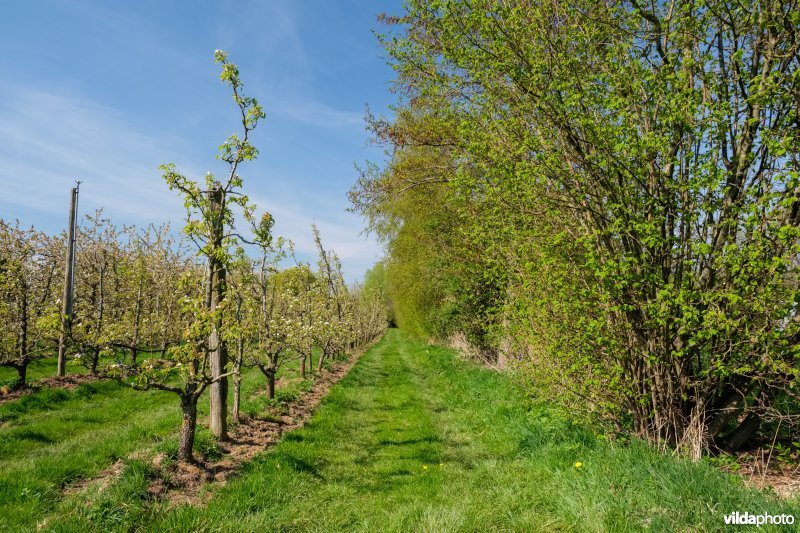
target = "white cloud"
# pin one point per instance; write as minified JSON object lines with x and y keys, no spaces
{"x":319,"y":114}
{"x":342,"y":233}
{"x":271,"y":28}
{"x":48,"y":140}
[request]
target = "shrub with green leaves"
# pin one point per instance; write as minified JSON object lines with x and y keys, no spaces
{"x":627,"y":174}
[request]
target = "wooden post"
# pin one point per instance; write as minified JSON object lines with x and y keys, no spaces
{"x":69,"y":284}
{"x":218,"y":357}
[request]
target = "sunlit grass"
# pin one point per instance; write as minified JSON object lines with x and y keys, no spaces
{"x":53,"y":437}
{"x":414,"y":439}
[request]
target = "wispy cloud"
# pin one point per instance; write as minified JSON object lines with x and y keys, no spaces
{"x":48,"y":140}
{"x":341,"y":233}
{"x":270,"y":28}
{"x":289,"y":80}
{"x":319,"y":114}
{"x":106,"y":93}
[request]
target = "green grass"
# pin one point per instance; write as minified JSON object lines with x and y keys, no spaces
{"x":38,"y":369}
{"x":414,"y":439}
{"x":53,"y":437}
{"x":45,"y":367}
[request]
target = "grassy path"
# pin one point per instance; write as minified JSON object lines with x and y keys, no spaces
{"x":415,"y":440}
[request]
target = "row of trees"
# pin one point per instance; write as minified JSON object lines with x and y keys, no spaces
{"x":140,"y":315}
{"x":30,"y":264}
{"x":184,"y":315}
{"x":607,"y":193}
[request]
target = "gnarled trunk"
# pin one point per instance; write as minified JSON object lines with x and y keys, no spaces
{"x":271,"y":383}
{"x":95,"y":360}
{"x":22,"y":373}
{"x":188,"y":427}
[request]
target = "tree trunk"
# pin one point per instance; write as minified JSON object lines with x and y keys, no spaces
{"x":303,"y":366}
{"x":137,"y":319}
{"x":218,"y":412}
{"x":271,"y":383}
{"x":95,"y":360}
{"x":22,"y":373}
{"x":237,"y":388}
{"x":189,"y":408}
{"x":163,"y":348}
{"x":742,"y":434}
{"x":237,"y":365}
{"x":100,"y":313}
{"x":22,"y":365}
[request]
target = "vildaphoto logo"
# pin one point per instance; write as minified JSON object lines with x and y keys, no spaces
{"x":758,"y":520}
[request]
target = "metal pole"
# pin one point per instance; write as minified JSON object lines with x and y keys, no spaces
{"x":69,"y":284}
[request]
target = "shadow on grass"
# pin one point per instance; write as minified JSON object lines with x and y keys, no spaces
{"x":31,"y":435}
{"x":410,"y":442}
{"x":301,"y":465}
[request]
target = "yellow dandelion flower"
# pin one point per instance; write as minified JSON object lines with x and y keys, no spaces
{"x":424,"y":467}
{"x":578,"y":464}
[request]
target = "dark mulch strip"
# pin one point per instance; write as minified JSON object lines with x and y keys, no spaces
{"x":68,"y":382}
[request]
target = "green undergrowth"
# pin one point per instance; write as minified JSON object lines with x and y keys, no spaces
{"x":415,"y":439}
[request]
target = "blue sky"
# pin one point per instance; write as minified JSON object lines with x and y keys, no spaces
{"x":107,"y":91}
